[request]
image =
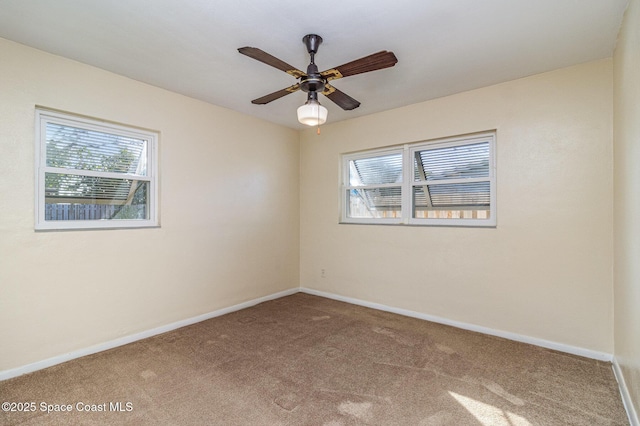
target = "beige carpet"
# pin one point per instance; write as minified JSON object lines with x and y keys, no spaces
{"x":306,"y":360}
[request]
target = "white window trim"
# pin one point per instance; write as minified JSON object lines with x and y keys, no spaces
{"x":407,"y":184}
{"x":44,"y":116}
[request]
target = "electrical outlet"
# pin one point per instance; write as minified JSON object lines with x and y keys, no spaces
{"x":323,"y":273}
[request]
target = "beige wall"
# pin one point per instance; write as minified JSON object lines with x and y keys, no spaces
{"x":627,"y":201}
{"x":231,"y":214}
{"x":544,"y":272}
{"x":229,"y":210}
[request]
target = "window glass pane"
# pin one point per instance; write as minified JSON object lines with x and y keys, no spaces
{"x":457,"y":162}
{"x":76,"y":197}
{"x":452,"y":200}
{"x":375,"y":202}
{"x":81,"y":149}
{"x":376,"y":170}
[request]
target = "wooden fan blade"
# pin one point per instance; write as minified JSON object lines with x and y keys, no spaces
{"x":276,"y":95}
{"x":373,"y":62}
{"x":341,"y":99}
{"x":264,"y":57}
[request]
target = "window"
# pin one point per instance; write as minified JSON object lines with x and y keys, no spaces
{"x":448,"y":182}
{"x":93,"y":174}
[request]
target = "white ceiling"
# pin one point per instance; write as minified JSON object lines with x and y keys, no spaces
{"x":443,"y":46}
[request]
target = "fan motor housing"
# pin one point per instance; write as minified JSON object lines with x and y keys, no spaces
{"x":312,"y":83}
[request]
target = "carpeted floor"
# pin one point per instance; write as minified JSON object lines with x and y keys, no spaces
{"x":306,"y":360}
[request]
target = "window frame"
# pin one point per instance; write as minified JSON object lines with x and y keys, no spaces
{"x":408,"y":152}
{"x":44,"y":116}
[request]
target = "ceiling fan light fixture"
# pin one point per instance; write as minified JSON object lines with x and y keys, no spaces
{"x":312,"y":113}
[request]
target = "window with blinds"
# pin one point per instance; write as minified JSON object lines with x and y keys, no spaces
{"x":444,"y":182}
{"x":93,"y":174}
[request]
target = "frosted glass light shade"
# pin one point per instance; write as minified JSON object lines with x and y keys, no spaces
{"x":312,"y":113}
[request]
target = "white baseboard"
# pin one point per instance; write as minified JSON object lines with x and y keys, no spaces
{"x":587,"y":353}
{"x":39,"y":365}
{"x":7,"y":374}
{"x":626,"y":396}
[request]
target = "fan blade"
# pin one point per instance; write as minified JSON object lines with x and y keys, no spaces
{"x":341,"y":99}
{"x":264,"y":57}
{"x":276,"y":95}
{"x":376,"y":61}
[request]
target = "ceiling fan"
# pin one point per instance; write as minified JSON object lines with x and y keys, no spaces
{"x":313,"y":82}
